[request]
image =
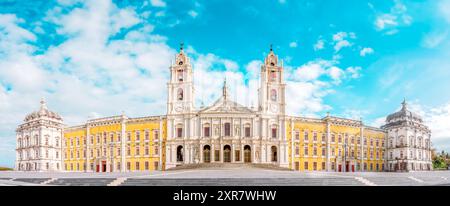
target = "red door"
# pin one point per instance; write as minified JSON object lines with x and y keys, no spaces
{"x":339,"y":168}
{"x":98,"y":168}
{"x":103,"y":166}
{"x":353,"y":168}
{"x":346,"y":167}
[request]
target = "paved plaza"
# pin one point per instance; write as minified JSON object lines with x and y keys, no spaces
{"x":227,"y":177}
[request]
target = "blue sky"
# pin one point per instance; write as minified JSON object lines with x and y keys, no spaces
{"x":98,"y":58}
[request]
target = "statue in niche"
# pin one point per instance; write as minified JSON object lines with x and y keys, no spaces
{"x":257,"y":156}
{"x":216,"y":130}
{"x":236,"y":130}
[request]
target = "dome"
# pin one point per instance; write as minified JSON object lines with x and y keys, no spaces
{"x":404,"y":113}
{"x":43,"y":112}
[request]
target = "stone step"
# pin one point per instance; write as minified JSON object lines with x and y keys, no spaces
{"x":82,"y":181}
{"x":228,"y":165}
{"x":241,"y":182}
{"x":32,"y":180}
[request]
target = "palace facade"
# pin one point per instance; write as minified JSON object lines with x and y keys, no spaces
{"x":224,"y":132}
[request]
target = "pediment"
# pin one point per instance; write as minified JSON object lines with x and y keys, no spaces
{"x":224,"y":105}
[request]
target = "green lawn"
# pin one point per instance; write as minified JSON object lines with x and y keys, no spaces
{"x":5,"y":168}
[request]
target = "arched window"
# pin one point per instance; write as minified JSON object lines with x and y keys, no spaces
{"x":180,"y":153}
{"x":273,"y":95}
{"x":180,"y":94}
{"x":180,"y":73}
{"x":274,"y":131}
{"x":273,"y":74}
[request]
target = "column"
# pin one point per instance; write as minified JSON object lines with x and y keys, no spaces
{"x":232,"y":153}
{"x":160,"y":142}
{"x":242,"y":152}
{"x":221,"y":153}
{"x":213,"y":152}
{"x":88,"y":153}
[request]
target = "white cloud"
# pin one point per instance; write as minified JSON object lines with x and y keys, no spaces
{"x":319,"y":45}
{"x":340,"y":41}
{"x":158,"y":3}
{"x":354,"y":72}
{"x":434,"y":39}
{"x":365,"y":51}
{"x":193,"y":13}
{"x":293,"y":44}
{"x":389,"y":22}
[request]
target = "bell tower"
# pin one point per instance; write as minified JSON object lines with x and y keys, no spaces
{"x":180,"y":98}
{"x":272,"y":88}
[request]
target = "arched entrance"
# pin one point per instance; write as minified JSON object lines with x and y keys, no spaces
{"x":247,"y":154}
{"x":180,"y":153}
{"x":207,"y":154}
{"x":274,"y":155}
{"x":227,"y":153}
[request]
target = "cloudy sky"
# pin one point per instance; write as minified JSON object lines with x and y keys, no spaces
{"x":97,"y":58}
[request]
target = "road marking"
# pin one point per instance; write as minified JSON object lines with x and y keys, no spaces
{"x":365,"y":181}
{"x":117,"y":181}
{"x":415,"y":179}
{"x":444,"y":178}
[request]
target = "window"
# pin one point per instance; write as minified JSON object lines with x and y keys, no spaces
{"x":118,"y":151}
{"x":306,"y":165}
{"x":179,"y":132}
{"x":180,"y":94}
{"x":118,"y":137}
{"x":323,"y":165}
{"x":306,"y":151}
{"x":146,"y":135}
{"x":323,"y":151}
{"x":137,"y":166}
{"x":247,"y":131}
{"x":128,"y":150}
{"x":323,"y":137}
{"x":128,"y":165}
{"x":306,"y":136}
{"x":138,"y":136}
{"x":297,"y":135}
{"x":57,"y":141}
{"x":273,"y":73}
{"x":314,"y":136}
{"x":273,"y":95}
{"x":128,"y":136}
{"x":227,"y":129}
{"x":339,"y":139}
{"x":274,"y":132}
{"x":156,"y":149}
{"x":146,"y":150}
{"x":297,"y":150}
{"x":146,"y":166}
{"x":156,"y":135}
{"x":315,"y":151}
{"x":206,"y":131}
{"x":314,"y":166}
{"x":111,"y":137}
{"x":333,"y":139}
{"x":180,"y":73}
{"x":137,"y":150}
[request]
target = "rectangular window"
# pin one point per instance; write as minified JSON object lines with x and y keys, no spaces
{"x":237,"y":155}
{"x":314,"y":136}
{"x":323,"y":166}
{"x":297,"y":135}
{"x":137,"y":150}
{"x":111,"y":137}
{"x":306,"y":136}
{"x":314,"y":166}
{"x":156,"y":165}
{"x":128,"y":136}
{"x":156,"y":149}
{"x":315,"y":151}
{"x":323,"y":151}
{"x":138,"y":136}
{"x":206,"y":131}
{"x":274,"y":132}
{"x":297,"y":166}
{"x":306,"y":151}
{"x":297,"y":150}
{"x":247,"y":132}
{"x":146,"y":166}
{"x":179,"y":132}
{"x":118,"y":151}
{"x":128,"y":166}
{"x":227,"y":129}
{"x":147,"y":136}
{"x":333,"y":138}
{"x":137,"y":166}
{"x":156,"y":135}
{"x":306,"y":165}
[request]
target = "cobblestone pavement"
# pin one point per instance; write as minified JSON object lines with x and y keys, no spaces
{"x":226,"y":176}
